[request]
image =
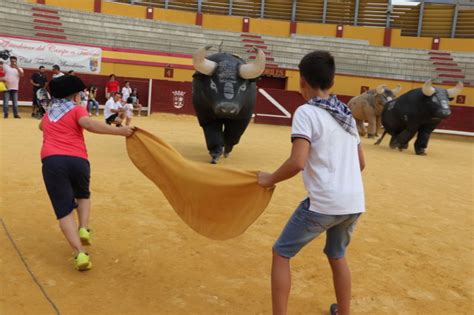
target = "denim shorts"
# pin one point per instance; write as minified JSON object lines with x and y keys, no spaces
{"x":305,"y":225}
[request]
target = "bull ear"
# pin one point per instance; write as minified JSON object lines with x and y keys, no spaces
{"x":397,"y":89}
{"x":201,"y":63}
{"x":427,"y":89}
{"x":253,"y":69}
{"x":381,"y":88}
{"x":453,"y":92}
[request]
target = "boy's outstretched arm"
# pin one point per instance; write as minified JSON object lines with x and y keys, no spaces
{"x":102,"y":128}
{"x":295,"y":163}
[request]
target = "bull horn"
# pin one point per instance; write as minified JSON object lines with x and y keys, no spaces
{"x":201,"y":63}
{"x":427,"y":89}
{"x":397,"y":89}
{"x":255,"y":68}
{"x":381,"y":88}
{"x":453,"y":92}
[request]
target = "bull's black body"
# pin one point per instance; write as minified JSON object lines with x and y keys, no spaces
{"x":224,"y":104}
{"x":412,"y":113}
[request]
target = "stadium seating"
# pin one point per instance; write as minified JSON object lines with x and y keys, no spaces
{"x":353,"y":56}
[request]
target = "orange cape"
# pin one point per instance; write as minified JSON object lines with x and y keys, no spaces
{"x":215,"y":201}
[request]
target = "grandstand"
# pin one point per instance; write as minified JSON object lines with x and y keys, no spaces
{"x":353,"y":56}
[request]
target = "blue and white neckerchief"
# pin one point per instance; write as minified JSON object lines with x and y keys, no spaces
{"x":59,"y":107}
{"x":338,"y":110}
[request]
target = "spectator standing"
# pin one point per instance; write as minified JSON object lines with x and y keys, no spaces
{"x":57,"y":72}
{"x":12,"y":76}
{"x":126,"y":91}
{"x":112,"y":86}
{"x":38,"y":80}
{"x":92,"y":101}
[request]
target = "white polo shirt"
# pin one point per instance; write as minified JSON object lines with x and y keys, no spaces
{"x":111,"y":104}
{"x":332,"y":175}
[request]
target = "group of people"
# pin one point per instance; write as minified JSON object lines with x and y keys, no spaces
{"x":120,"y":104}
{"x":326,"y":148}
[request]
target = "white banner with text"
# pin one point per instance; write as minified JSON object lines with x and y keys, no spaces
{"x":32,"y":54}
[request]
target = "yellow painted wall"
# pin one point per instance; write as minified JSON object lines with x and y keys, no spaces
{"x":115,"y":8}
{"x":81,"y":5}
{"x":175,"y":16}
{"x":222,"y":22}
{"x":399,"y":41}
{"x":137,"y":71}
{"x":456,"y":44}
{"x":373,"y":34}
{"x":150,"y":58}
{"x":313,"y":29}
{"x":269,"y":27}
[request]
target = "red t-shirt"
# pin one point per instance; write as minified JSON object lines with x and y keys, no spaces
{"x":112,"y":86}
{"x":65,"y":136}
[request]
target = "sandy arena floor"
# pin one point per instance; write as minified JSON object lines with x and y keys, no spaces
{"x":412,"y":252}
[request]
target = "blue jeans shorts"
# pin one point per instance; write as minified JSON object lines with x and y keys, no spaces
{"x":305,"y":225}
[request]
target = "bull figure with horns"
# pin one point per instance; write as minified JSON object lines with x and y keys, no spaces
{"x":417,"y":111}
{"x":369,"y":106}
{"x":224,"y":96}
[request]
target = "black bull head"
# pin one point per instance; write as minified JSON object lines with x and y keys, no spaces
{"x":224,"y":95}
{"x":418,"y":111}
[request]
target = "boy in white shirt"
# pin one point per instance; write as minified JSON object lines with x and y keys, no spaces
{"x":326,"y":147}
{"x":113,"y":111}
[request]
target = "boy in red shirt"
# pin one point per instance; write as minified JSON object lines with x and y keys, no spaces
{"x":66,"y":170}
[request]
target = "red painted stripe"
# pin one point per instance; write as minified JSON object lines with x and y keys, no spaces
{"x":439,"y":53}
{"x":449,"y":69}
{"x":253,"y":41}
{"x":45,"y":10}
{"x":267,"y":58}
{"x":258,"y":46}
{"x":445,"y":64}
{"x":455,"y":82}
{"x":51,"y":35}
{"x":251,"y":36}
{"x":447,"y":75}
{"x":46,"y":16}
{"x":47,"y":22}
{"x":44,"y":28}
{"x":441,"y":58}
{"x":147,"y":63}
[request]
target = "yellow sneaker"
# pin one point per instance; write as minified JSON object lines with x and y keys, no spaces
{"x":85,"y":236}
{"x":82,"y":262}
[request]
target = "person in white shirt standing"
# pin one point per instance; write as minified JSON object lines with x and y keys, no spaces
{"x":126,"y":91}
{"x":13,"y":73}
{"x":57,"y":72}
{"x":114,"y":113}
{"x":326,"y":147}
